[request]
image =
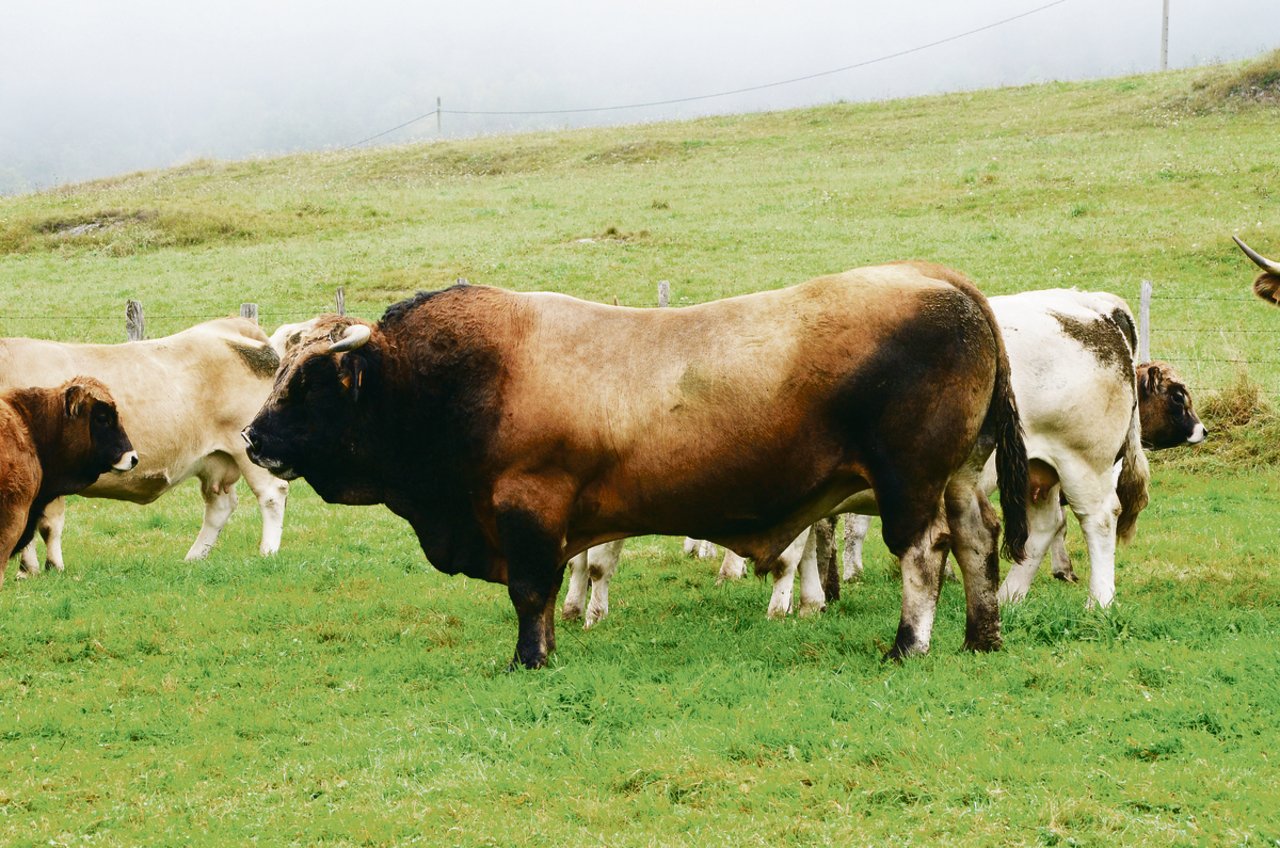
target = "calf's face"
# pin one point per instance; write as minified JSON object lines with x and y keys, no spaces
{"x":302,"y":429}
{"x":1165,"y":409}
{"x":92,"y":413}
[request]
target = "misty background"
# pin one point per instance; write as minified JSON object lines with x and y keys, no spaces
{"x":91,"y":88}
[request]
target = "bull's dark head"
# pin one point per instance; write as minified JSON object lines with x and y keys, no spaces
{"x":310,"y":425}
{"x":94,"y":427}
{"x":1165,"y":409}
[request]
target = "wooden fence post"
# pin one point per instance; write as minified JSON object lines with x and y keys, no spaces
{"x":341,"y":301}
{"x":1144,"y":323}
{"x":664,"y":292}
{"x":250,"y":311}
{"x":134,"y":328}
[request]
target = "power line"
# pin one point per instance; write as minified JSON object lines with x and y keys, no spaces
{"x":744,"y":90}
{"x":393,"y":129}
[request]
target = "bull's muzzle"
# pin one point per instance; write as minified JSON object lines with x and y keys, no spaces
{"x":127,"y":462}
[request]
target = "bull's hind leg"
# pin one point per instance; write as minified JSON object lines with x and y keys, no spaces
{"x":272,"y":493}
{"x":922,"y":555}
{"x":975,"y":539}
{"x":914,"y":523}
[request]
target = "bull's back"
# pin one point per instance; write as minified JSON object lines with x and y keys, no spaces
{"x":753,"y":402}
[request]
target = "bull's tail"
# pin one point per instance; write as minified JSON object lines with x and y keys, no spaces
{"x":1012,"y":475}
{"x":1135,"y":474}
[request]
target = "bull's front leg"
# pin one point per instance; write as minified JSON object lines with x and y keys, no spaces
{"x":534,"y":575}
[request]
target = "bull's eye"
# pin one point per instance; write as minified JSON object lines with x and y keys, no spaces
{"x":101,"y":416}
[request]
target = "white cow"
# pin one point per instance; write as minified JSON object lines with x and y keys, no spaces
{"x":183,"y":399}
{"x":1071,"y":358}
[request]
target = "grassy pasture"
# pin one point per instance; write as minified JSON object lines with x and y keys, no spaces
{"x":344,"y":693}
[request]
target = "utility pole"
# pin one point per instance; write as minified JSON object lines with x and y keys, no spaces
{"x":1166,"y":4}
{"x":1164,"y":38}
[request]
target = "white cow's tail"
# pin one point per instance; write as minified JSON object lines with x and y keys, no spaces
{"x":1131,"y":488}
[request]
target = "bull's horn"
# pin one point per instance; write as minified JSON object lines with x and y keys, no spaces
{"x":355,"y":336}
{"x":1268,"y":265}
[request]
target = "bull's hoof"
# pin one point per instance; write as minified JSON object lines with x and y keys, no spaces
{"x":898,"y":653}
{"x":593,"y":618}
{"x":1066,"y":576}
{"x":570,"y":613}
{"x":519,"y":664}
{"x":983,"y":646}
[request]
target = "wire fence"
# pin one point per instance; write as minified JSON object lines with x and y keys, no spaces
{"x":1214,"y":340}
{"x":1210,"y":339}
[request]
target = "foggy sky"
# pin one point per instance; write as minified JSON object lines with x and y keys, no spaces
{"x":90,"y":88}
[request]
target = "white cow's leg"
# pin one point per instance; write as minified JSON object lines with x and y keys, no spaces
{"x":1044,"y":519}
{"x":1058,"y":557}
{"x":784,"y":576}
{"x":50,"y":528}
{"x":576,"y":596}
{"x":1098,"y":524}
{"x":855,"y":531}
{"x":602,"y":564}
{"x":272,"y":494}
{"x":732,"y":567}
{"x":51,"y":524}
{"x":219,"y":503}
{"x":691,"y":546}
{"x":812,"y":597}
{"x":29,"y":565}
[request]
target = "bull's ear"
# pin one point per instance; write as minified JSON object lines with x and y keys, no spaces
{"x":351,"y":373}
{"x":76,"y":400}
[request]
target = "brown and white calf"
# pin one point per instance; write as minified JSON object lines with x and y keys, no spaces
{"x":54,"y":442}
{"x":184,"y":399}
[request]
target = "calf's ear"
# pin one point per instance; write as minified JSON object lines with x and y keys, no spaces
{"x":76,"y":400}
{"x":1152,"y":379}
{"x":351,"y":373}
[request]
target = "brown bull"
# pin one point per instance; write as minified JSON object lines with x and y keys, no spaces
{"x":514,"y":430}
{"x":53,"y":442}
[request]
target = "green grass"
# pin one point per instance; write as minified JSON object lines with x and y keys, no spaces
{"x":344,"y":693}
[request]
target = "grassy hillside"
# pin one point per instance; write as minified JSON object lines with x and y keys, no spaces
{"x":344,"y":693}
